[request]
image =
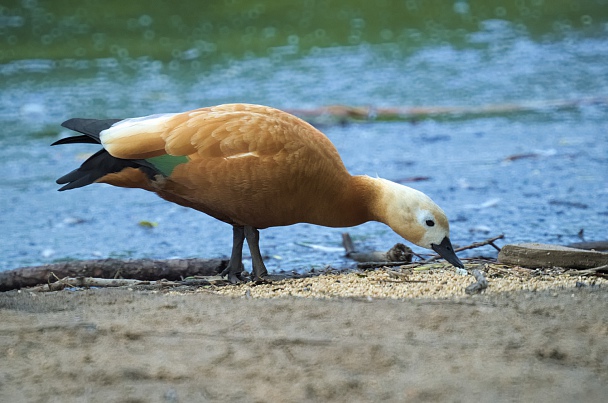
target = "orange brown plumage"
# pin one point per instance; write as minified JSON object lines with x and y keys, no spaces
{"x":253,"y":167}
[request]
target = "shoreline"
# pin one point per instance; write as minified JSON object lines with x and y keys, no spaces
{"x":121,"y":344}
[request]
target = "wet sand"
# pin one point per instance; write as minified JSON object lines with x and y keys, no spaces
{"x":126,"y":345}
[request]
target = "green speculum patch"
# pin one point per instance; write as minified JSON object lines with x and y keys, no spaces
{"x":167,"y":163}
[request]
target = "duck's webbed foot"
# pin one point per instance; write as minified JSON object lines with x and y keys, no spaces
{"x":234,"y":272}
{"x":234,"y":275}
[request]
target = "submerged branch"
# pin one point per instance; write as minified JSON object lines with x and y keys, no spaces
{"x":590,"y":245}
{"x":343,"y":113}
{"x":398,"y":254}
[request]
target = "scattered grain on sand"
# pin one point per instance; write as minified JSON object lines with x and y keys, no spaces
{"x":439,"y":283}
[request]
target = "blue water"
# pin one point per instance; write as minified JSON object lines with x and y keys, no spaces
{"x":549,"y":197}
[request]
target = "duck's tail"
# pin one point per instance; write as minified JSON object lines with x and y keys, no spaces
{"x":101,"y":163}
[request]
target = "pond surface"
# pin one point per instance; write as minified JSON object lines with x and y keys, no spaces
{"x":536,"y":175}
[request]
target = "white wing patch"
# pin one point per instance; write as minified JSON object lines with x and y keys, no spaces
{"x":134,"y":126}
{"x":137,"y":138}
{"x":243,"y":155}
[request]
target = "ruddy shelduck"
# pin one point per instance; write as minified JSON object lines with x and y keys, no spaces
{"x":253,"y":167}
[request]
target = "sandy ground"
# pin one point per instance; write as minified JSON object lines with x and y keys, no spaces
{"x":190,"y":345}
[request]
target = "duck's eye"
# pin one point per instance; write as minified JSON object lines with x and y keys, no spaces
{"x":430,"y":223}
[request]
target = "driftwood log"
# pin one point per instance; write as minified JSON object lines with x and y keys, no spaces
{"x":138,"y":269}
{"x":534,"y":255}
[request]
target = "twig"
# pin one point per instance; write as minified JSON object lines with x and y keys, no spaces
{"x":489,"y":241}
{"x":419,"y":256}
{"x":588,"y":271}
{"x":99,"y":282}
{"x":370,"y":265}
{"x":107,"y":282}
{"x":480,"y":285}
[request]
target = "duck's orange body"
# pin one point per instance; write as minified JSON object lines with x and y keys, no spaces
{"x":247,"y":165}
{"x":251,"y":166}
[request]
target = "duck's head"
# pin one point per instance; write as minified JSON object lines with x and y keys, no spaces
{"x":414,"y":216}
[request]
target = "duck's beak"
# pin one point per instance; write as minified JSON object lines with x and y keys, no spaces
{"x":446,"y":251}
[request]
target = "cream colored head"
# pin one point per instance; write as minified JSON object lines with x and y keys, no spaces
{"x":414,"y":216}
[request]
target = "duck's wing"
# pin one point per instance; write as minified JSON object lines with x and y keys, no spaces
{"x":225,"y":131}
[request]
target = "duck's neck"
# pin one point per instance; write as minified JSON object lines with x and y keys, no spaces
{"x":381,"y":199}
{"x":364,"y":200}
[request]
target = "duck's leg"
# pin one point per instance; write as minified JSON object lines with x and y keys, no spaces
{"x":235,"y":265}
{"x":253,"y":240}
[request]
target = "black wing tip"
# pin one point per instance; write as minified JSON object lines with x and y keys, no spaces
{"x":79,"y":123}
{"x":76,"y":139}
{"x":68,"y":124}
{"x":76,"y":179}
{"x":69,"y":186}
{"x":89,"y":127}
